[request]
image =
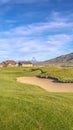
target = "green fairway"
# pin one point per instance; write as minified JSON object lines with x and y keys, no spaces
{"x":29,"y":107}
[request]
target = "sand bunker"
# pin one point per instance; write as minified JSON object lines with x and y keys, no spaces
{"x":48,"y":84}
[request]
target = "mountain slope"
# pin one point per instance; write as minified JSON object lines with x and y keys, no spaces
{"x":64,"y":60}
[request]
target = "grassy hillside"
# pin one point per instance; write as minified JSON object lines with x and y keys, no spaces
{"x":63,"y":60}
{"x":62,"y":74}
{"x":28,"y":107}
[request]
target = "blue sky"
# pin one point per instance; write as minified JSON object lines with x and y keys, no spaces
{"x":35,"y":28}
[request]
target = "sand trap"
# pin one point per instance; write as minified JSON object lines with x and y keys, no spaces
{"x":48,"y":84}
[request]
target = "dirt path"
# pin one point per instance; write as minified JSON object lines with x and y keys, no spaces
{"x":48,"y":84}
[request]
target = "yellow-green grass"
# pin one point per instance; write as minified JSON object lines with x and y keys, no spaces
{"x":29,"y":107}
{"x":62,"y":74}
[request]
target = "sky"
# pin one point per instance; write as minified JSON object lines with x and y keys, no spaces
{"x":35,"y":28}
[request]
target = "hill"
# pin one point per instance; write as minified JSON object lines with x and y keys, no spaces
{"x":64,"y":60}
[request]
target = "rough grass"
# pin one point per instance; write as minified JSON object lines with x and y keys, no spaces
{"x":62,"y":74}
{"x":28,"y":107}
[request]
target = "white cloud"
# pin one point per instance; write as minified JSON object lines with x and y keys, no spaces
{"x":59,"y":39}
{"x":57,"y":23}
{"x":31,"y":40}
{"x":22,"y":46}
{"x":39,"y":28}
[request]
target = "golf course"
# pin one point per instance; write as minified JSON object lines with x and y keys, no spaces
{"x":24,"y":106}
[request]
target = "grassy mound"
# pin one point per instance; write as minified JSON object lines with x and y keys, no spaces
{"x":61,"y":74}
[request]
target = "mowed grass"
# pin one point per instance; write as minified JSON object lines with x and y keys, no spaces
{"x":28,"y":107}
{"x":62,"y":74}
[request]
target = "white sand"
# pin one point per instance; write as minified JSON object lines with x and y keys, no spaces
{"x":47,"y":84}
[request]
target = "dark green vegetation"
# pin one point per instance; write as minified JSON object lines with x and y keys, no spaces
{"x":62,"y":74}
{"x":28,"y":107}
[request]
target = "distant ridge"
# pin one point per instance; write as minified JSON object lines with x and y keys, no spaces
{"x":63,"y":60}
